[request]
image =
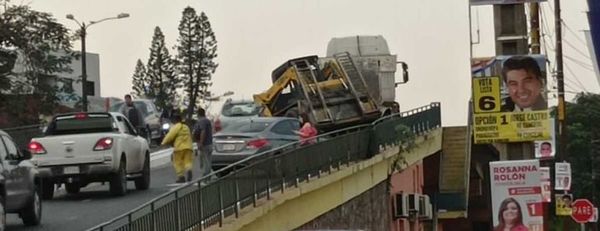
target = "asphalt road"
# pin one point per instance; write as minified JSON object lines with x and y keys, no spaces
{"x":94,"y":204}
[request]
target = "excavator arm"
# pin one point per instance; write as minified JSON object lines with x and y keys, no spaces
{"x":267,"y":98}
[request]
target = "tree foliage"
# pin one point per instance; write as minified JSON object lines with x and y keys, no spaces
{"x":39,"y":48}
{"x":160,"y":71}
{"x":139,"y":81}
{"x":197,"y":49}
{"x":583,"y":147}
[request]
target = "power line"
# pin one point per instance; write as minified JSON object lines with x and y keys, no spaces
{"x":572,"y":32}
{"x":576,"y":49}
{"x":575,"y":76}
{"x":580,"y":63}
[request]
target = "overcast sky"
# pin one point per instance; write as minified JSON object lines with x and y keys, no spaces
{"x":256,"y":36}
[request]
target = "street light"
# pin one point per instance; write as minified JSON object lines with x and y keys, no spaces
{"x":82,"y":33}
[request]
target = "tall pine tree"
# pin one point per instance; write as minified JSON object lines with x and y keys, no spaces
{"x":139,"y":82}
{"x":197,"y":49}
{"x":160,"y":71}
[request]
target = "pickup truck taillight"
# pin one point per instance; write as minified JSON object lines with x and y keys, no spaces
{"x":256,"y":144}
{"x":36,"y":148}
{"x":103,"y":144}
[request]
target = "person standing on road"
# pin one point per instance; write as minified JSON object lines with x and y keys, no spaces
{"x":180,"y":138}
{"x":203,"y":137}
{"x":133,"y":115}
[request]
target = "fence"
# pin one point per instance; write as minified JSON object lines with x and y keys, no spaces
{"x":197,"y":206}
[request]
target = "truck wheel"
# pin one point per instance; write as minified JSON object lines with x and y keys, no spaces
{"x":72,"y":188}
{"x":32,"y":214}
{"x":47,"y":189}
{"x":143,"y":182}
{"x":118,"y":182}
{"x":2,"y":213}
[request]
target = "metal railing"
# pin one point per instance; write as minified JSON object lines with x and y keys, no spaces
{"x":254,"y":179}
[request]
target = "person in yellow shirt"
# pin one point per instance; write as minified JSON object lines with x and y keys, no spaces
{"x":180,"y":137}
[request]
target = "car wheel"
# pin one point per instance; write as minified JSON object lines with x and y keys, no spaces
{"x":143,"y":182}
{"x":32,"y":214}
{"x":2,"y":214}
{"x":72,"y":188}
{"x":47,"y":189}
{"x":118,"y":182}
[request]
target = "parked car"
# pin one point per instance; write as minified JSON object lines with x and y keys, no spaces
{"x":80,"y":148}
{"x":235,"y":110}
{"x":244,"y":138}
{"x":150,"y":114}
{"x":19,"y":184}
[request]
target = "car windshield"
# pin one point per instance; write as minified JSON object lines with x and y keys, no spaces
{"x":240,"y":109}
{"x":247,"y":126}
{"x":80,"y":123}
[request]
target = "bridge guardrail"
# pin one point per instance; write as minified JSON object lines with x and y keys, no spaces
{"x":197,"y":206}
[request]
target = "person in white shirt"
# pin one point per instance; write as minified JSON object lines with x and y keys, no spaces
{"x":525,"y":84}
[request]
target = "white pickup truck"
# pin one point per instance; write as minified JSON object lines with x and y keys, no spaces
{"x":80,"y":148}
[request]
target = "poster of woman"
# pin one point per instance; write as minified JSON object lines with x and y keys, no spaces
{"x":510,"y":216}
{"x":516,"y":195}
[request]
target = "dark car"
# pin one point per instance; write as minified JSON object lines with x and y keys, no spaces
{"x":19,"y":184}
{"x":244,"y":138}
{"x":150,"y":114}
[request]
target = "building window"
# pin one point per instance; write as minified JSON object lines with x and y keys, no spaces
{"x":89,"y":87}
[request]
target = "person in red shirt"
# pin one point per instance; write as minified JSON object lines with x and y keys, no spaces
{"x":307,"y":132}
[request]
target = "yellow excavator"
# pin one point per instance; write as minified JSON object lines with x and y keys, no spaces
{"x":333,"y":91}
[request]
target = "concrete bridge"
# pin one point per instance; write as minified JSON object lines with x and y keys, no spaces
{"x":402,"y":172}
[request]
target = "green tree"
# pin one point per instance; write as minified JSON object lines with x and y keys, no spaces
{"x":197,"y":49}
{"x":139,"y":81}
{"x":160,"y":71}
{"x":583,"y":147}
{"x":40,"y":48}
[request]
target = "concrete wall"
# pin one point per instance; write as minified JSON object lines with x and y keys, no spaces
{"x":368,"y":211}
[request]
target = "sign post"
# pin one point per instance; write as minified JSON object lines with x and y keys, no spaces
{"x":583,"y":210}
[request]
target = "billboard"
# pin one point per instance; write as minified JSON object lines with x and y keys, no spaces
{"x":516,"y":194}
{"x":546,"y":149}
{"x":494,"y":2}
{"x":509,"y":99}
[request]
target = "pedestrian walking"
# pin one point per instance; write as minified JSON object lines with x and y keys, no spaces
{"x":134,"y":116}
{"x":203,"y":137}
{"x":180,"y":138}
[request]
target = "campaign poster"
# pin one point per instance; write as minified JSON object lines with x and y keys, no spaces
{"x":509,"y":99}
{"x":546,"y":149}
{"x":495,"y":2}
{"x":563,"y":204}
{"x":546,"y":187}
{"x":516,"y":194}
{"x":562,"y":176}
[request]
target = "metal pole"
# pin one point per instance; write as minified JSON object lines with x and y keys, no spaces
{"x":534,"y":21}
{"x":562,"y":128}
{"x":84,"y":103}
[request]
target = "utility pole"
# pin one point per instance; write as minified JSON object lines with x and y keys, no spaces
{"x":84,"y":102}
{"x":534,"y":21}
{"x":562,"y":125}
